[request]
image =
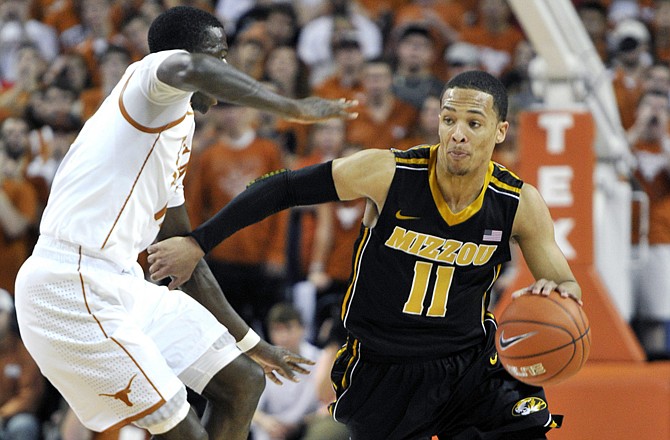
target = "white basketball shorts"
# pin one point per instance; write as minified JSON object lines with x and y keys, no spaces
{"x":113,"y":344}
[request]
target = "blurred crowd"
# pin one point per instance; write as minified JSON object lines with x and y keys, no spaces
{"x":60,"y":58}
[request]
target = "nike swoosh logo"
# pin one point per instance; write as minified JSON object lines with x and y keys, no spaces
{"x":493,"y":359}
{"x":399,"y":216}
{"x":506,"y":343}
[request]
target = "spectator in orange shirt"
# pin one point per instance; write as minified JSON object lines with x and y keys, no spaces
{"x":316,"y":37}
{"x":495,"y":33}
{"x":593,"y":15}
{"x":249,"y":50}
{"x":337,"y":228}
{"x":424,"y":131}
{"x":113,"y":63}
{"x":325,"y":235}
{"x":250,"y":266}
{"x":14,"y":134}
{"x":92,"y":37}
{"x":327,"y":140}
{"x":133,"y":36}
{"x":630,"y":59}
{"x":443,"y":18}
{"x":383,"y":119}
{"x":21,"y":384}
{"x":284,"y":69}
{"x":415,"y":53}
{"x":15,"y":97}
{"x":349,"y":61}
{"x":649,"y":138}
{"x":18,"y":211}
{"x":660,"y":27}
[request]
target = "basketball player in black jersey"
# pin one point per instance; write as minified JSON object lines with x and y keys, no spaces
{"x":420,"y":357}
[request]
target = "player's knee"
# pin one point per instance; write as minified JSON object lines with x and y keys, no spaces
{"x":241,"y":383}
{"x":252,"y":384}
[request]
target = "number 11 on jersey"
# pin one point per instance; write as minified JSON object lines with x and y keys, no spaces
{"x":438,"y":305}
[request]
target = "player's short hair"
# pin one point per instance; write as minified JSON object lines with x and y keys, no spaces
{"x":181,"y":27}
{"x":484,"y":82}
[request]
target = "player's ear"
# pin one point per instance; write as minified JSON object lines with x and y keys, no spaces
{"x":501,"y":131}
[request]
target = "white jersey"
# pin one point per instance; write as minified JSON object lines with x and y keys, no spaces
{"x":125,"y":168}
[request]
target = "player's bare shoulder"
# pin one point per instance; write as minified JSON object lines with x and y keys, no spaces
{"x":367,"y":173}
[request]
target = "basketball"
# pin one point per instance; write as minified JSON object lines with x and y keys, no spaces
{"x":543,"y":340}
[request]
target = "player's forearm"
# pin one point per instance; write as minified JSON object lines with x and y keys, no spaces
{"x":203,"y":287}
{"x":228,"y":84}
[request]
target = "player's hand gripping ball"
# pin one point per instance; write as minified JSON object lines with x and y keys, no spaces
{"x":543,"y":340}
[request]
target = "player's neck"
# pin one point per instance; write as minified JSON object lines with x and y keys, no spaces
{"x":459,"y":191}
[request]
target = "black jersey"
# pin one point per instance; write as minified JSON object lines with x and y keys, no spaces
{"x":422,"y":275}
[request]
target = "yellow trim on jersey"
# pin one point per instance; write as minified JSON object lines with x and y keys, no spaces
{"x":139,"y":126}
{"x":448,"y":216}
{"x":354,"y":278}
{"x":354,"y":357}
{"x":413,"y":161}
{"x":505,"y":186}
{"x":495,"y":277}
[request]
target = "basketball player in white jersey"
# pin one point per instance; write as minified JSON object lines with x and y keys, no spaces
{"x":119,"y":348}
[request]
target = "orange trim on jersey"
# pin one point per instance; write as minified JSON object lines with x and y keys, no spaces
{"x":116,"y":220}
{"x":138,"y":416}
{"x":83,"y":290}
{"x":448,"y":216}
{"x":130,"y":356}
{"x":136,"y":124}
{"x":160,"y":213}
{"x":357,"y":262}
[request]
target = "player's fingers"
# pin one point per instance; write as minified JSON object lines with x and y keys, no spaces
{"x":520,"y":292}
{"x":271,"y":375}
{"x":543,"y":287}
{"x":297,"y":368}
{"x":294,"y":358}
{"x":286,"y":373}
{"x":566,"y":294}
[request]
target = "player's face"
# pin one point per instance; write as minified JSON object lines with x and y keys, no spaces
{"x":469,"y":130}
{"x":214,"y":44}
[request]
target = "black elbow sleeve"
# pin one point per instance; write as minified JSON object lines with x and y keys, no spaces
{"x":265,"y":196}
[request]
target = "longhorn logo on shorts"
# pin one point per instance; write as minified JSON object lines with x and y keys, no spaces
{"x":528,"y":406}
{"x":123,"y":394}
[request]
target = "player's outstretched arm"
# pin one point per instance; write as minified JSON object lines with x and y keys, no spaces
{"x":534,"y":231}
{"x":218,"y":79}
{"x":366,"y":174}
